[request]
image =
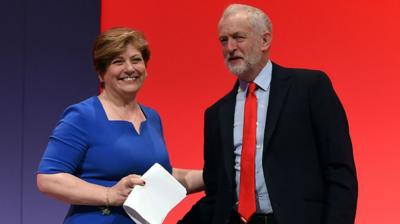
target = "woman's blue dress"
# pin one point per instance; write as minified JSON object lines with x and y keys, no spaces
{"x":88,"y":145}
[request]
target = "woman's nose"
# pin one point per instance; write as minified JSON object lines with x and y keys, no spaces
{"x":129,"y":67}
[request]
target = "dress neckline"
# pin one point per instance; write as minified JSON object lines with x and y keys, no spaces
{"x":104,"y":115}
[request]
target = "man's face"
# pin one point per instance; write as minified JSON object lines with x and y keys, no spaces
{"x":242,"y":47}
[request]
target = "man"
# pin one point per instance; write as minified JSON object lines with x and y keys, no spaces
{"x":282,"y":132}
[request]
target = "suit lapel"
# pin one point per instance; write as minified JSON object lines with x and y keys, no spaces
{"x":280,"y":84}
{"x":226,"y":118}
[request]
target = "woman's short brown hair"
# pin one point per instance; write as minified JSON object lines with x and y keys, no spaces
{"x":111,"y":43}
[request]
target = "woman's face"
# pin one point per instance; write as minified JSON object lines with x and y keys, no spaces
{"x":126,"y":73}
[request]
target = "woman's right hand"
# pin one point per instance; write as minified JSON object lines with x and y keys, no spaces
{"x":117,"y":194}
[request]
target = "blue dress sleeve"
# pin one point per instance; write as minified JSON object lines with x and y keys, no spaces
{"x":68,"y":143}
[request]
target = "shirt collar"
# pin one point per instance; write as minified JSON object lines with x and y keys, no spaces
{"x":263,"y":79}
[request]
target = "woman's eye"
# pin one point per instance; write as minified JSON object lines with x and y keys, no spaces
{"x":136,"y":60}
{"x":117,"y":62}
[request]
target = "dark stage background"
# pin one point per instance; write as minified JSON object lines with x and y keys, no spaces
{"x":45,"y":66}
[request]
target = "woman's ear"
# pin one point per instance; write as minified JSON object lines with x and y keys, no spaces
{"x":101,"y":79}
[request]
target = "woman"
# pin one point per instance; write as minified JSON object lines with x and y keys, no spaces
{"x":103,"y":144}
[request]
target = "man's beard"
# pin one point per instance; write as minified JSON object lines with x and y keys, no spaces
{"x":249,"y":61}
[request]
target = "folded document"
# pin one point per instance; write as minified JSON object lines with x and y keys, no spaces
{"x":152,"y":202}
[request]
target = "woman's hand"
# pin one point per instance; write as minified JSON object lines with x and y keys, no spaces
{"x":117,"y":194}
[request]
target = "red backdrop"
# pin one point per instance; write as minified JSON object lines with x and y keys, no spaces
{"x":356,"y":42}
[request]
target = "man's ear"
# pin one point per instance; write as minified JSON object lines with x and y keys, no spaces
{"x":266,"y":40}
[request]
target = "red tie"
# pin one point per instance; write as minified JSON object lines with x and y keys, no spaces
{"x":247,"y":196}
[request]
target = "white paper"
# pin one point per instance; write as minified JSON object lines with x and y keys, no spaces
{"x":152,"y":202}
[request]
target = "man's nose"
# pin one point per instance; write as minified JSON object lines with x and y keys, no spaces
{"x":231,"y":45}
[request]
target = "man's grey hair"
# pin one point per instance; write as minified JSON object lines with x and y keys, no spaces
{"x":257,"y":18}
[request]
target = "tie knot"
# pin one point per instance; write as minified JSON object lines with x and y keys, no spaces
{"x":251,"y":88}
